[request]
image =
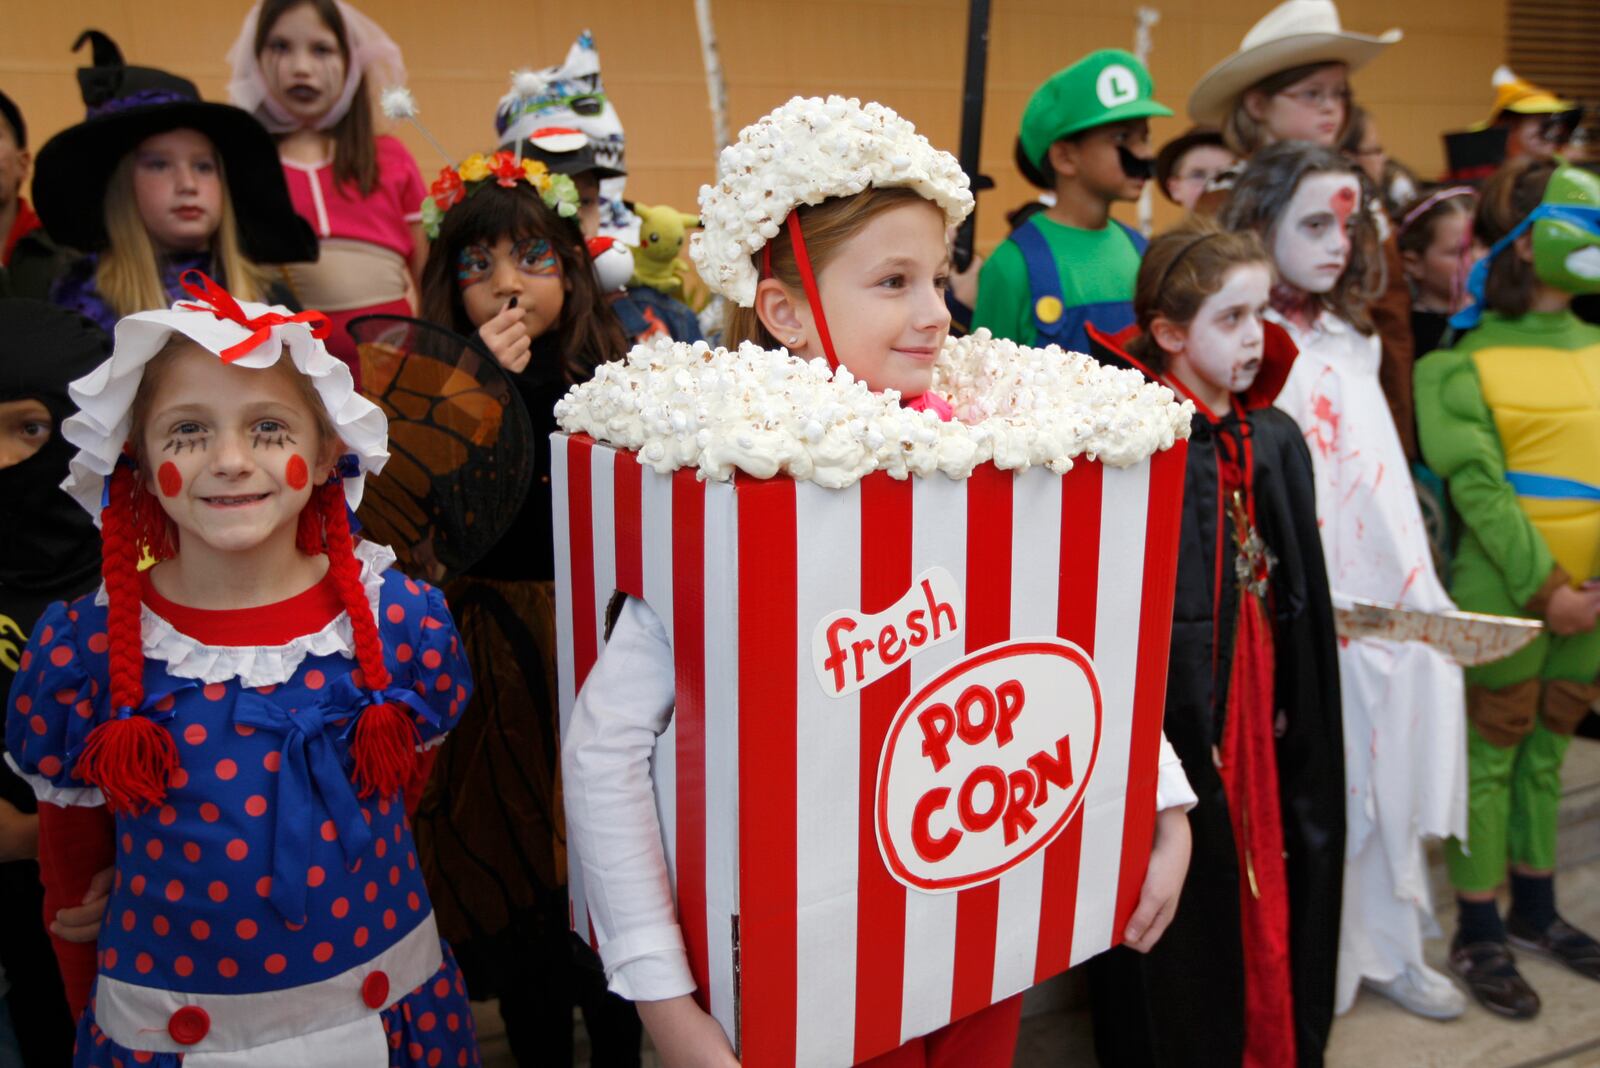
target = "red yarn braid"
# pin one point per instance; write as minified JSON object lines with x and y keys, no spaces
{"x":384,"y":742}
{"x":129,"y":756}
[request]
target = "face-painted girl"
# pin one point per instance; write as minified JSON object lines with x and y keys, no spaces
{"x":1311,"y":241}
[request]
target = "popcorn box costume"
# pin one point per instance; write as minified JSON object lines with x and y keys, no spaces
{"x":264,"y":911}
{"x":917,"y":665}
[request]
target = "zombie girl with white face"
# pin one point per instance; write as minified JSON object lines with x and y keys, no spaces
{"x":1402,"y":702}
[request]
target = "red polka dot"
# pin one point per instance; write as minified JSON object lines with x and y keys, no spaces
{"x":49,"y":766}
{"x":389,"y":919}
{"x":143,"y":963}
{"x":245,"y":929}
{"x":153,"y":849}
{"x":183,"y":966}
{"x":218,"y":890}
{"x":255,"y":805}
{"x":175,"y":891}
{"x":47,"y":635}
{"x":128,"y":919}
{"x":194,"y":734}
{"x":27,"y":654}
{"x":329,"y":831}
{"x":322,"y":953}
{"x":84,"y":709}
{"x":431,"y":659}
{"x":441,"y":988}
{"x":264,"y":886}
{"x":226,"y":769}
{"x":402,"y":653}
{"x":413,"y":902}
{"x":99,"y":643}
{"x":237,"y":849}
{"x":371,"y":893}
{"x":209,"y":812}
{"x":266,"y":690}
{"x":38,"y":725}
{"x":427,"y":1022}
{"x":199,"y":930}
{"x":429,"y":623}
{"x":295,"y":472}
{"x":442,"y":683}
{"x":380,"y":847}
{"x":227,"y":967}
{"x":166,"y":703}
{"x":127,"y":842}
{"x":191,"y":852}
{"x":341,"y":907}
{"x":167,"y":815}
{"x":180,"y":779}
{"x":360,"y":937}
{"x":314,"y":679}
{"x":394,"y":875}
{"x":214,"y":691}
{"x":136,"y":885}
{"x":272,"y":761}
{"x":61,"y":656}
{"x":143,"y":1056}
{"x":315,"y":876}
{"x":294,"y":926}
{"x":415,"y":1050}
{"x":276,"y":963}
{"x":111,"y":958}
{"x":435,"y":1055}
{"x":161,"y":926}
{"x":243,"y":730}
{"x":169,"y":479}
{"x":396,"y":614}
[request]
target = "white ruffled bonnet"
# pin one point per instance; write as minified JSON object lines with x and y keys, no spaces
{"x":804,"y":152}
{"x":105,"y":395}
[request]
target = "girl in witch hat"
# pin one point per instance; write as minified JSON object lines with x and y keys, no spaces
{"x":307,"y":69}
{"x":156,"y":182}
{"x":234,"y":727}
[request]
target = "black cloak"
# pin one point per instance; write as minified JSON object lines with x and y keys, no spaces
{"x":1183,"y":1003}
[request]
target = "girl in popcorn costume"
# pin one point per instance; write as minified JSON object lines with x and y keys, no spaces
{"x":233,"y":728}
{"x":820,"y":204}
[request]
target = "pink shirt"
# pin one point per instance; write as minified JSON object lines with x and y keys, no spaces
{"x":383,"y":218}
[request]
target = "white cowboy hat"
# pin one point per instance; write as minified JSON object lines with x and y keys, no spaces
{"x":1293,"y":34}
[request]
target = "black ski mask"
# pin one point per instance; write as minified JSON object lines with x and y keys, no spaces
{"x":48,"y":543}
{"x":1135,"y":166}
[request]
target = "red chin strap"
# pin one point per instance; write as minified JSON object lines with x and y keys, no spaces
{"x":808,"y":279}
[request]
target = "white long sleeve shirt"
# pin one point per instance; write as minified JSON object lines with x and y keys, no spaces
{"x":613,"y":830}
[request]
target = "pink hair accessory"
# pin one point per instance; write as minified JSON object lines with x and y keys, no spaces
{"x":1434,"y":198}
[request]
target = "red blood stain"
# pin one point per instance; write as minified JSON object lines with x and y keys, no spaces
{"x":1326,"y":431}
{"x":170,"y":480}
{"x":296,"y":474}
{"x":1343,"y":202}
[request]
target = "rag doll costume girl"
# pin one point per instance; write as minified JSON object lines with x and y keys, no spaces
{"x":241,"y":768}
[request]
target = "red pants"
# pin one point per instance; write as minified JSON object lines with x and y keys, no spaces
{"x":986,"y":1039}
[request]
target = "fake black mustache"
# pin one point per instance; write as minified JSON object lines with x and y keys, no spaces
{"x":1133,"y":166}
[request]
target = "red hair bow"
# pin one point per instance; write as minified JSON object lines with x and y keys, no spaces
{"x":219,"y":302}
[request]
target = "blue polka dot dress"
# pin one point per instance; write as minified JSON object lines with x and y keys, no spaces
{"x":263,"y":913}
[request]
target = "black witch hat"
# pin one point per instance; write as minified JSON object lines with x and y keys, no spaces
{"x":128,"y":104}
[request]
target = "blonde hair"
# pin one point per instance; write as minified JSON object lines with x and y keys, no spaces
{"x":129,"y":272}
{"x":826,"y":227}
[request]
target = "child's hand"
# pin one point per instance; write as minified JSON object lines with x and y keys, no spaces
{"x":1572,"y":611}
{"x":1158,"y":900}
{"x":19,"y":833}
{"x":685,"y":1036}
{"x":81,"y":923}
{"x":506,"y":336}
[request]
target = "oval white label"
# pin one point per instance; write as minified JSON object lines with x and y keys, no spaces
{"x":987,"y":763}
{"x":1116,"y":85}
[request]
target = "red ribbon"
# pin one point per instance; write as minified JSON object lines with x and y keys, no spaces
{"x":219,"y":302}
{"x":808,"y":279}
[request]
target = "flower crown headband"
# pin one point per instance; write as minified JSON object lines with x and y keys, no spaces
{"x":457,"y":182}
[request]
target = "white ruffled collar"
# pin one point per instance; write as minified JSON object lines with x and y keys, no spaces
{"x":259,"y":665}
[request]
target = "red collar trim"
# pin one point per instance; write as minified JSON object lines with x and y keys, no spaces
{"x":24,"y":224}
{"x":1277,"y":358}
{"x":265,"y":625}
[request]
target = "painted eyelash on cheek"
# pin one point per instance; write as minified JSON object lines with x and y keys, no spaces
{"x":177,"y":446}
{"x":281,"y":439}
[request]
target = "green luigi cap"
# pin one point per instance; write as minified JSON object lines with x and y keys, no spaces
{"x":1103,"y":87}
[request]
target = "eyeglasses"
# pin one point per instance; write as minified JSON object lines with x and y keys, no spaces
{"x":1318,"y":97}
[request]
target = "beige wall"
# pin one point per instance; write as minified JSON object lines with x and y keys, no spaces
{"x":905,"y":53}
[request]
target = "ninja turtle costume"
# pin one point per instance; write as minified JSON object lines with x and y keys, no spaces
{"x":1510,"y":418}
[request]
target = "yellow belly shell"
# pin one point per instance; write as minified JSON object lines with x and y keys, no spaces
{"x":1546,"y":406}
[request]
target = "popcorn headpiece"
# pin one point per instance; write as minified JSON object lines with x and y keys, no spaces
{"x":804,"y":152}
{"x":247,"y":334}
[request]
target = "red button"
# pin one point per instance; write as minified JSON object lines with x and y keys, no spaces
{"x":375,"y":990}
{"x":189,"y":1025}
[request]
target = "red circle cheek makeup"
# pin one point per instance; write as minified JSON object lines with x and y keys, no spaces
{"x":296,"y":474}
{"x":168,"y":478}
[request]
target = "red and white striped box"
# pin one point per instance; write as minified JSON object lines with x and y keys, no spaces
{"x":829,"y":913}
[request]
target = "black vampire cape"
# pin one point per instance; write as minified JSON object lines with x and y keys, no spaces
{"x":1183,"y":1003}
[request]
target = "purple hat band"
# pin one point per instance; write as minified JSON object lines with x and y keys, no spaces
{"x":142,"y":99}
